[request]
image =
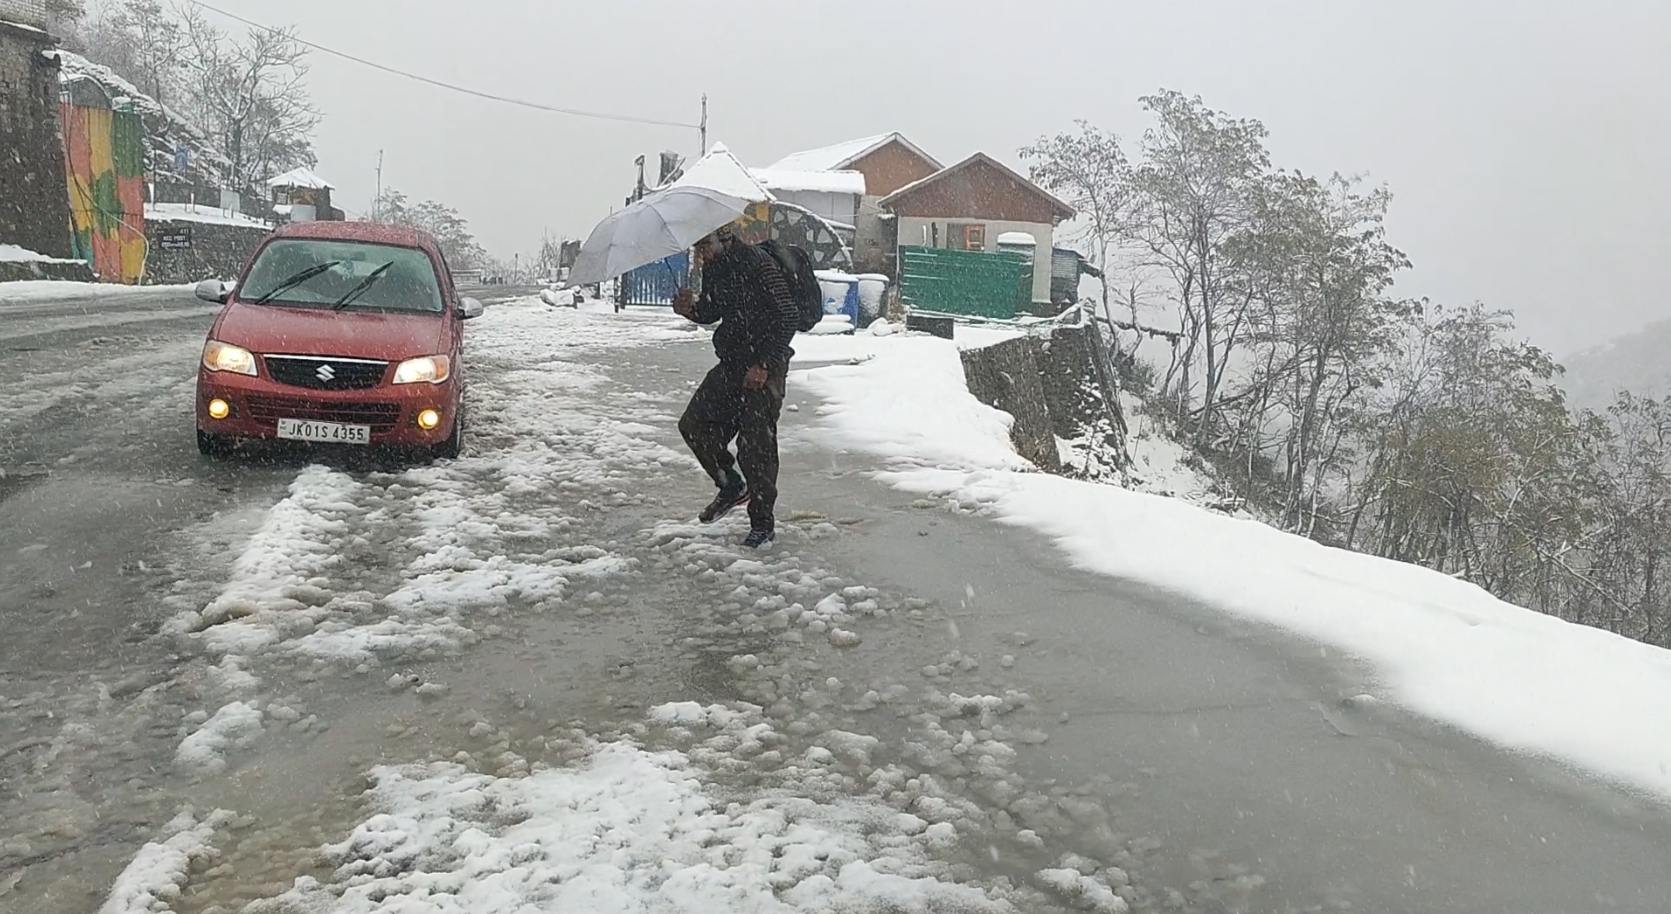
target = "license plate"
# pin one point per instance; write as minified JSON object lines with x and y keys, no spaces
{"x":327,"y":432}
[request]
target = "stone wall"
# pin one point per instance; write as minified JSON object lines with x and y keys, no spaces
{"x":1057,"y":387}
{"x":211,"y":250}
{"x":1006,"y":377}
{"x":34,"y":202}
{"x":74,"y":271}
{"x":1084,"y":402}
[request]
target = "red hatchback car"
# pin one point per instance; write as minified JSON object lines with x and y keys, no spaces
{"x":340,"y":333}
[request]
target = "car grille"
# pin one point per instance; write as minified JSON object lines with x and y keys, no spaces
{"x":318,"y":373}
{"x":382,"y":417}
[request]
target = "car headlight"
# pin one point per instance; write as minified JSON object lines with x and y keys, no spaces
{"x":432,"y":369}
{"x":219,"y":356}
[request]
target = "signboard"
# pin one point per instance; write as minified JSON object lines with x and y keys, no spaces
{"x":175,"y":238}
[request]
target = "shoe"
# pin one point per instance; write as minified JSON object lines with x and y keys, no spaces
{"x":725,"y":502}
{"x":758,"y":538}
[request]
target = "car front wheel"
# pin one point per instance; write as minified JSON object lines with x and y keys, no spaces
{"x":213,"y":445}
{"x":454,"y":445}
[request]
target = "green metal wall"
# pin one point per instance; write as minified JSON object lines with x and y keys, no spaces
{"x":995,"y":285}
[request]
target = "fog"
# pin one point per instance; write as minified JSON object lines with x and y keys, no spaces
{"x":1524,"y":141}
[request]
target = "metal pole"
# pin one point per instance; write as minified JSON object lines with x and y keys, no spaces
{"x":377,"y":201}
{"x":703,"y":135}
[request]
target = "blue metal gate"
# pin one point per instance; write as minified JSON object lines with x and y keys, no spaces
{"x":655,"y":283}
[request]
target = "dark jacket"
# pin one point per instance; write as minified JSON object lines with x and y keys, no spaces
{"x":746,"y":293}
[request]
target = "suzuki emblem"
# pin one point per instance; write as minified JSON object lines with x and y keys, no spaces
{"x":326,"y":373}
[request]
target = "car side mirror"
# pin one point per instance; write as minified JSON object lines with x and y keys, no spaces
{"x":469,"y":307}
{"x":213,"y":290}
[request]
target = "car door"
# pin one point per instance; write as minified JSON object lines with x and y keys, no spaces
{"x":451,"y":318}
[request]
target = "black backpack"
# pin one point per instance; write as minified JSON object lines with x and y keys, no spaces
{"x":796,"y":265}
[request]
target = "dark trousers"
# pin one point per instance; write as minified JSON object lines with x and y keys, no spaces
{"x":722,"y":410}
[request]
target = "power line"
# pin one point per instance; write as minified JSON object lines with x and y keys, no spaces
{"x":625,"y":118}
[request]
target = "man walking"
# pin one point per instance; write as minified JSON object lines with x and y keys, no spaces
{"x":745,"y":291}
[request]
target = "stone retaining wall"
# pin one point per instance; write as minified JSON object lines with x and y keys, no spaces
{"x":183,"y":251}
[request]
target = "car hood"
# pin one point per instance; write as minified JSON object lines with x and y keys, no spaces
{"x":316,"y":331}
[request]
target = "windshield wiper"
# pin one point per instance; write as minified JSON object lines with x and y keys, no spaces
{"x":294,"y":281}
{"x":365,"y":284}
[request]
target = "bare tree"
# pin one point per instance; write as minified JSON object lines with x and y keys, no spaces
{"x":1089,"y":170}
{"x":252,"y":96}
{"x":1195,"y":193}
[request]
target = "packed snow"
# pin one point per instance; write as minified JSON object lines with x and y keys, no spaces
{"x":1442,"y":647}
{"x":158,"y":873}
{"x":235,"y":726}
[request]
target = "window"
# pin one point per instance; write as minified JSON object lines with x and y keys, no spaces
{"x":966,"y":236}
{"x":393,"y":278}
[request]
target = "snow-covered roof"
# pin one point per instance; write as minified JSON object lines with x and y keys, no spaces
{"x":841,"y":155}
{"x":830,"y":182}
{"x":301,"y":177}
{"x":719,"y":170}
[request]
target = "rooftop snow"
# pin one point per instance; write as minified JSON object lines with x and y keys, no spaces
{"x":832,"y":158}
{"x":301,"y":177}
{"x":830,"y":182}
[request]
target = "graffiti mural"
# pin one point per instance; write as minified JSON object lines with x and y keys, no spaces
{"x":104,"y":159}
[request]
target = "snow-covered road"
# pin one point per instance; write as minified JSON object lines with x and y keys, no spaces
{"x":522,"y":681}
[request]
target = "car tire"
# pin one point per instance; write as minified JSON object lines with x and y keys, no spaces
{"x":213,"y":445}
{"x":454,"y":445}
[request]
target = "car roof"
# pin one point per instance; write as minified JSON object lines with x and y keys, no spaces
{"x":371,"y":232}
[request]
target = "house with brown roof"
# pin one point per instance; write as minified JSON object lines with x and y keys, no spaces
{"x":971,"y":204}
{"x":846,"y":182}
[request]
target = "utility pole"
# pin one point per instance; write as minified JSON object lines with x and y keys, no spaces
{"x":377,"y":201}
{"x":703,"y":130}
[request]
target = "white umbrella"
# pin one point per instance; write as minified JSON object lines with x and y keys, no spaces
{"x":715,"y":192}
{"x":658,"y":226}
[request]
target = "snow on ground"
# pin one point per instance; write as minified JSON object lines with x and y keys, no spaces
{"x":1442,"y":647}
{"x":235,"y":725}
{"x":196,"y":212}
{"x":630,"y":829}
{"x":157,"y":874}
{"x":348,"y":568}
{"x":773,"y":805}
{"x":46,"y":290}
{"x":1159,"y":464}
{"x":11,"y":253}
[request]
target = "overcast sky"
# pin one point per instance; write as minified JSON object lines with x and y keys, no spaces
{"x":1527,"y":144}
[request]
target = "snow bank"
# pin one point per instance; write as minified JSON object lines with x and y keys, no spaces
{"x":158,"y":873}
{"x":211,"y":215}
{"x":1442,"y":647}
{"x":38,"y":290}
{"x":906,"y":402}
{"x":11,"y":253}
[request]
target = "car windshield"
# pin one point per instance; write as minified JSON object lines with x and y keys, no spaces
{"x":354,"y":275}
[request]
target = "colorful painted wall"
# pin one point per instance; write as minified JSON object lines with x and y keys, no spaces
{"x":104,"y":159}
